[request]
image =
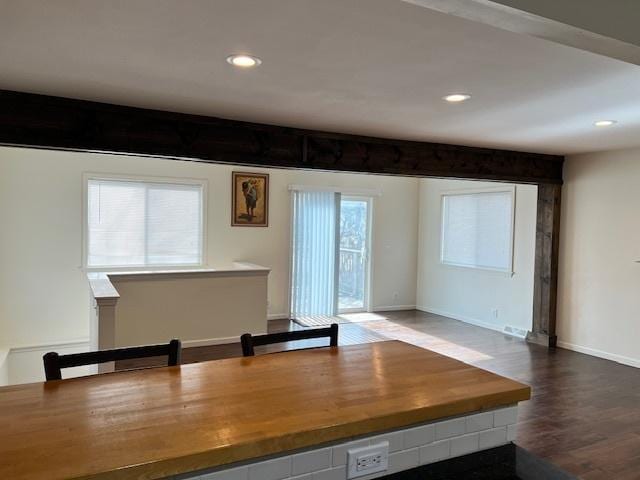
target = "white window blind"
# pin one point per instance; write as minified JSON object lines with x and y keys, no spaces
{"x":137,"y":223}
{"x":477,"y":230}
{"x":316,"y":225}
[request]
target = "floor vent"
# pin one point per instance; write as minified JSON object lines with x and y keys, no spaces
{"x":515,"y":331}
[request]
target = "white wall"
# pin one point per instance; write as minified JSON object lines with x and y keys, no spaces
{"x":24,"y":364}
{"x":469,"y":294}
{"x":599,"y":281}
{"x":198,"y":308}
{"x":4,"y":367}
{"x":44,"y":294}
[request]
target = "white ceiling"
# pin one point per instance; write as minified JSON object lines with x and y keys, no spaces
{"x":374,"y":67}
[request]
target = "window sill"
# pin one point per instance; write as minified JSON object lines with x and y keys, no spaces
{"x":498,"y":272}
{"x":146,"y":268}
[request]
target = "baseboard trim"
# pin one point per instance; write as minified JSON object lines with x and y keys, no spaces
{"x":50,"y":346}
{"x":381,"y":308}
{"x":465,"y":319}
{"x":631,"y":362}
{"x":391,"y":308}
{"x":206,"y":342}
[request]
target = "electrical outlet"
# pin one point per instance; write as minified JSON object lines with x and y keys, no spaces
{"x":495,"y":313}
{"x":395,"y":295}
{"x":365,"y":460}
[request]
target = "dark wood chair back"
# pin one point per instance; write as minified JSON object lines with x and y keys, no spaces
{"x":249,"y":341}
{"x":54,"y":363}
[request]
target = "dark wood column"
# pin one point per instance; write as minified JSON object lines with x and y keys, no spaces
{"x":545,"y":284}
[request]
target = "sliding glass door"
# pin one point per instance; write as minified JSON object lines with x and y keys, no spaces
{"x":330,"y":254}
{"x":353,"y":268}
{"x":314,"y":264}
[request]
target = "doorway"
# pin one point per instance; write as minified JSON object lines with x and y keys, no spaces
{"x":354,"y":257}
{"x":330,"y":260}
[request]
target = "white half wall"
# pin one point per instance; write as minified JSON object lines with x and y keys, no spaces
{"x":468,"y":294}
{"x":194,"y":307}
{"x":44,"y":294}
{"x":599,"y":279}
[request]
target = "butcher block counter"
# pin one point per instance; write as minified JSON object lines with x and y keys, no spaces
{"x":166,"y":421}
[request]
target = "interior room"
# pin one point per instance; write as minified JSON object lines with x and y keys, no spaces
{"x":296,"y":240}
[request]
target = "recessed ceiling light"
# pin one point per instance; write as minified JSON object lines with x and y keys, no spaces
{"x":243,"y":61}
{"x":605,"y":123}
{"x":457,"y":97}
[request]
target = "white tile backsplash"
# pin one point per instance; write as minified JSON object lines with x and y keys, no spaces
{"x":276,"y":469}
{"x":338,"y":473}
{"x":464,"y":444}
{"x":492,"y":438}
{"x":408,"y":448}
{"x":241,"y":473}
{"x":340,"y":451}
{"x":415,"y":437}
{"x":311,"y":461}
{"x":435,"y":452}
{"x":505,"y":416}
{"x":450,"y":428}
{"x":395,"y":439}
{"x":481,"y":421}
{"x":404,"y":460}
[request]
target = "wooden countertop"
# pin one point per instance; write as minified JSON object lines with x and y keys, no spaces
{"x":163,"y":421}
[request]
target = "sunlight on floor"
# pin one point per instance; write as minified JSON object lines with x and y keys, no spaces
{"x":394,"y":331}
{"x":384,"y":326}
{"x":361,"y":317}
{"x":319,"y":320}
{"x":380,"y":328}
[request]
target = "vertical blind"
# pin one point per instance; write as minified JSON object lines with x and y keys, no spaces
{"x":315,"y":242}
{"x":134,"y":223}
{"x":477,"y":230}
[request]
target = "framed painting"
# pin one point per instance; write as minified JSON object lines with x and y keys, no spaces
{"x":250,"y":199}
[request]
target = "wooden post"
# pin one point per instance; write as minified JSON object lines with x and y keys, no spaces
{"x":545,"y":283}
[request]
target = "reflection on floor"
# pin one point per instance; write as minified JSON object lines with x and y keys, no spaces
{"x":342,"y":318}
{"x":584,"y":415}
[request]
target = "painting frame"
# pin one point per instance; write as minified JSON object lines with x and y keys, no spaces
{"x":242,"y":207}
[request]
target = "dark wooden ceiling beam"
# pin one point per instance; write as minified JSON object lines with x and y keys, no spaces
{"x":59,"y":123}
{"x":40,"y":121}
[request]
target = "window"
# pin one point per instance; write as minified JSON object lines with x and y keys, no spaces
{"x":477,"y":229}
{"x":134,"y":223}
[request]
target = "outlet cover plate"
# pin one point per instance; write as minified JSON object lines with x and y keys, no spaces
{"x":366,"y":460}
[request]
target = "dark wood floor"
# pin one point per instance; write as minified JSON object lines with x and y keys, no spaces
{"x":584,"y":415}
